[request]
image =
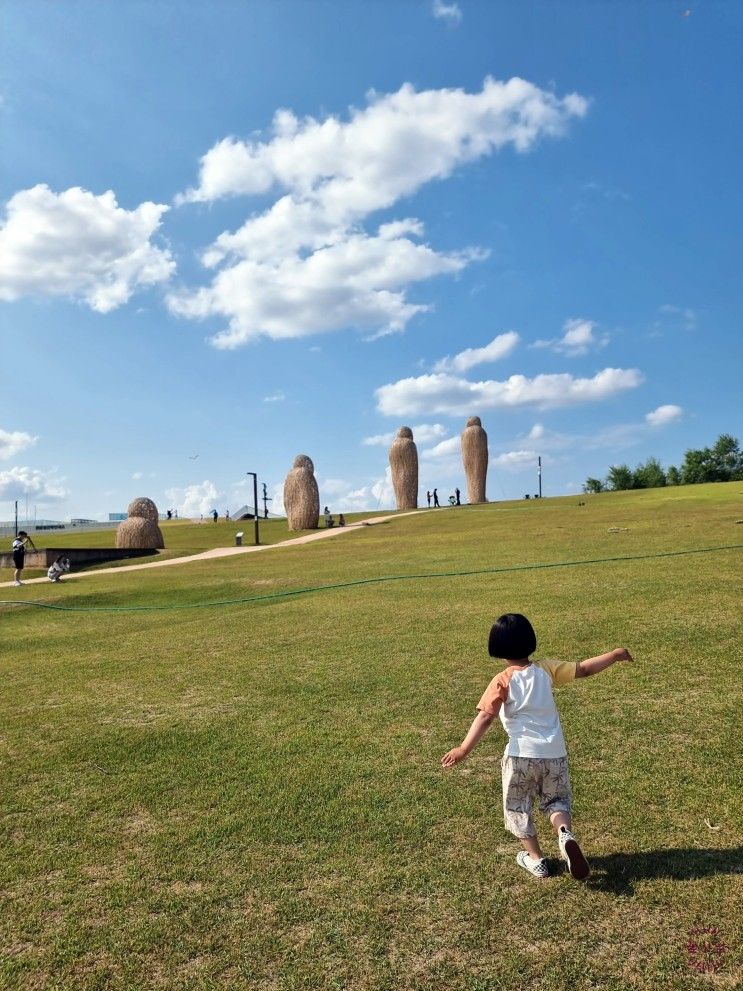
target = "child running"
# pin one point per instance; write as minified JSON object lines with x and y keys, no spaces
{"x":535,"y":763}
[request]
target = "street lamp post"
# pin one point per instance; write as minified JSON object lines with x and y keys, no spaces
{"x":255,"y":504}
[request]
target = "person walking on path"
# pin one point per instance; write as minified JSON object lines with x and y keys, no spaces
{"x":436,"y":499}
{"x":215,"y":515}
{"x":19,"y":554}
{"x":428,"y":496}
{"x":457,"y":493}
{"x":535,"y":763}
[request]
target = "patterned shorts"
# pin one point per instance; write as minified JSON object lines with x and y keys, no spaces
{"x":524,"y":779}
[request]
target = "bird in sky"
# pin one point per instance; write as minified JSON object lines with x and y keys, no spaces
{"x":192,"y":457}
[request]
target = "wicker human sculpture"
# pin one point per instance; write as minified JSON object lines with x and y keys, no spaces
{"x":140,"y":530}
{"x":301,"y":495}
{"x":404,"y":467}
{"x":475,"y":458}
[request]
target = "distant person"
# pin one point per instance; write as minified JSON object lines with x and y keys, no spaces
{"x":170,"y":514}
{"x":328,"y":517}
{"x":436,"y":499}
{"x":457,"y":493}
{"x":535,"y":763}
{"x":428,"y":496}
{"x":58,"y":568}
{"x":227,"y":516}
{"x":19,"y":554}
{"x":265,"y":513}
{"x":215,"y":515}
{"x":341,"y":520}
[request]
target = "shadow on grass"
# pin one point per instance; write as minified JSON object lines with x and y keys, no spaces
{"x":618,"y":872}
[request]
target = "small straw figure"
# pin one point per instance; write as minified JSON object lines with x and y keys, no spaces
{"x":404,"y":466}
{"x":140,"y":529}
{"x":475,"y":458}
{"x":301,"y":495}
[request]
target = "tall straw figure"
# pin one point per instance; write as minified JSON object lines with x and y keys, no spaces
{"x":404,"y":467}
{"x":301,"y":495}
{"x":475,"y":458}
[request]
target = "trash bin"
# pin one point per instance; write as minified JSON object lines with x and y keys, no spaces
{"x":239,"y":539}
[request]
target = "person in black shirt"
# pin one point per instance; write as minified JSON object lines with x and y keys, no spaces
{"x":19,"y":554}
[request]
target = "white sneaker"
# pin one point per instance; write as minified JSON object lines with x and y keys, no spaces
{"x":573,"y":855}
{"x":16,"y":582}
{"x":537,"y":868}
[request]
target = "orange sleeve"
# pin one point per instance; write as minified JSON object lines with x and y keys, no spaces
{"x":494,"y":695}
{"x":561,"y":672}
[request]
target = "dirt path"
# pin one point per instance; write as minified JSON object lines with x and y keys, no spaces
{"x":216,"y":552}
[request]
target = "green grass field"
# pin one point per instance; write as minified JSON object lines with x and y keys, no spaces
{"x":250,"y":796}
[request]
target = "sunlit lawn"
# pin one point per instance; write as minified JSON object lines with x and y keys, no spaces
{"x":249,"y":795}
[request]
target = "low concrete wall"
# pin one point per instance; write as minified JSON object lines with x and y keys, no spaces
{"x":45,"y":556}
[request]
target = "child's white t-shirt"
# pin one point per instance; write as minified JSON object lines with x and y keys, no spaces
{"x":522,"y":697}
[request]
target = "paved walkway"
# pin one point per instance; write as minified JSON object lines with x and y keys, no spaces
{"x":225,"y":551}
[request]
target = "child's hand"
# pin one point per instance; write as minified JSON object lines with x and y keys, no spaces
{"x":453,"y":757}
{"x":622,"y":654}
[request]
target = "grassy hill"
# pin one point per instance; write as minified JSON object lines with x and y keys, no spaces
{"x":249,"y":795}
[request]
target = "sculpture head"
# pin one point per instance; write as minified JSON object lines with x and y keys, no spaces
{"x":405,"y":432}
{"x":143,"y":508}
{"x":302,"y":461}
{"x":474,"y":421}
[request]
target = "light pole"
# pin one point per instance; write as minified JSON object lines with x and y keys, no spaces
{"x":255,"y":504}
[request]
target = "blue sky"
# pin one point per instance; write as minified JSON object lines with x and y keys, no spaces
{"x":247,"y":230}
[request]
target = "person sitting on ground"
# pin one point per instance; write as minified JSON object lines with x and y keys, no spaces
{"x":341,"y":520}
{"x":328,"y":517}
{"x":535,"y":763}
{"x":19,"y":554}
{"x":58,"y":568}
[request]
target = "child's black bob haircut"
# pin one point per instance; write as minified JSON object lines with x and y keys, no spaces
{"x":512,"y":638}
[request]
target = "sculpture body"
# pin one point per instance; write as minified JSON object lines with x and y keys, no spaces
{"x":475,"y":459}
{"x":140,"y":529}
{"x":404,"y":467}
{"x":301,"y":495}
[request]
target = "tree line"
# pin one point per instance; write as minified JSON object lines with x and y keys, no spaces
{"x":723,"y":462}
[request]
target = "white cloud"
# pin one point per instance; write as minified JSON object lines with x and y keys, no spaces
{"x":136,"y":475}
{"x":14,"y":441}
{"x":341,"y":498}
{"x":17,"y":483}
{"x":447,"y":394}
{"x":579,"y":338}
{"x":79,"y":245}
{"x":498,"y":348}
{"x":450,"y":12}
{"x":277,"y":397}
{"x":679,"y":314}
{"x":445,"y":449}
{"x":195,"y":500}
{"x":664,"y":414}
{"x":305,"y":265}
{"x":537,"y":432}
{"x":515,"y":460}
{"x":423,"y":433}
{"x":330,"y":487}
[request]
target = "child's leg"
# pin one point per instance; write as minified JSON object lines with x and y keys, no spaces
{"x":561,"y":819}
{"x":519,"y":786}
{"x":532,"y":847}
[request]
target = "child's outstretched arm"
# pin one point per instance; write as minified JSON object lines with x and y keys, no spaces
{"x":477,"y":730}
{"x":584,"y":669}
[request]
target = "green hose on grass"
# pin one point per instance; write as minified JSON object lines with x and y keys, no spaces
{"x":249,"y":600}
